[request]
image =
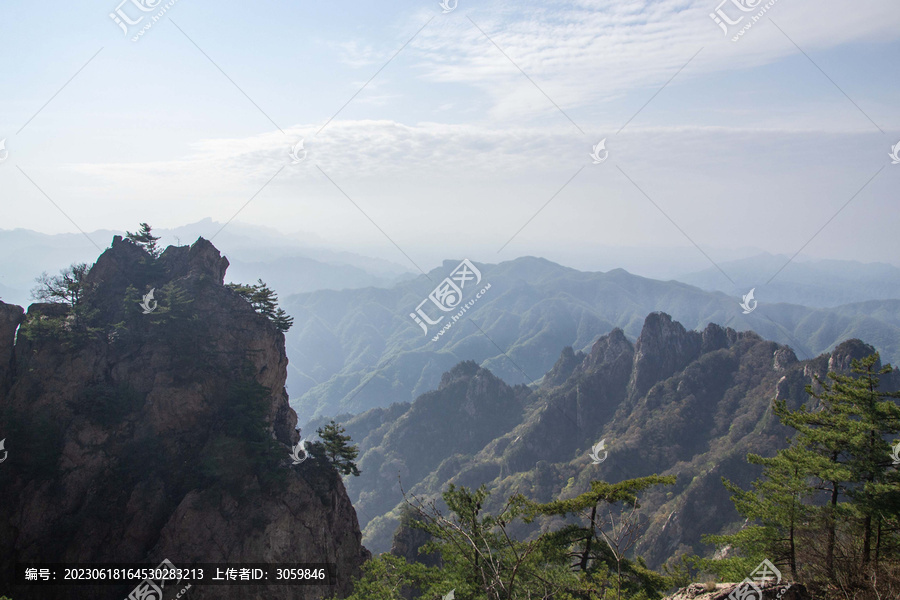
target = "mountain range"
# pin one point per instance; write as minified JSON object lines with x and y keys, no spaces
{"x":353,"y":350}
{"x":675,"y":402}
{"x":288,"y":263}
{"x":819,"y":283}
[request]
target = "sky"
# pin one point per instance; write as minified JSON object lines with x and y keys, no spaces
{"x":431,"y":133}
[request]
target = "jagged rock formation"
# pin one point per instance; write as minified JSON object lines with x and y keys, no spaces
{"x":686,"y":403}
{"x":460,"y":417}
{"x":138,"y":437}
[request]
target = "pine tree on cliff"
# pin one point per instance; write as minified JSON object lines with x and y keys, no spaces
{"x":264,"y":301}
{"x":145,"y":239}
{"x":68,"y":287}
{"x":335,"y":446}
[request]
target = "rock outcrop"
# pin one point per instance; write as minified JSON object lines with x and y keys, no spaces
{"x":11,"y":316}
{"x":138,"y":436}
{"x":663,"y":348}
{"x":722,"y":591}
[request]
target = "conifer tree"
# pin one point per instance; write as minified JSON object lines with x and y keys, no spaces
{"x":836,"y":476}
{"x":603,"y":541}
{"x":68,"y":287}
{"x":336,"y":447}
{"x":866,"y":416}
{"x":145,"y":239}
{"x":264,"y":301}
{"x":775,"y":507}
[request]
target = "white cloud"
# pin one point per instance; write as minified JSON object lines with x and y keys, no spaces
{"x":588,"y":52}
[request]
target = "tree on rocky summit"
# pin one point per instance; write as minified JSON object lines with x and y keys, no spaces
{"x":265,"y":302}
{"x":145,"y":239}
{"x":66,"y":288}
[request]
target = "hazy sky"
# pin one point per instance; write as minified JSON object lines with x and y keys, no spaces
{"x":483,"y":115}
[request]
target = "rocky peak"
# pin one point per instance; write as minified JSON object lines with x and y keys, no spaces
{"x":201,"y":259}
{"x":607,"y":350}
{"x":846,"y":352}
{"x":464,"y":370}
{"x":167,"y":433}
{"x":783,"y":358}
{"x":663,"y":348}
{"x":716,"y":337}
{"x":565,"y":365}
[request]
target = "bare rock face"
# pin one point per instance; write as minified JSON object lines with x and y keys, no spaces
{"x":10,"y":318}
{"x":562,"y":370}
{"x":721,"y":591}
{"x":784,"y":358}
{"x":846,"y":352}
{"x":140,"y":436}
{"x":663,"y":348}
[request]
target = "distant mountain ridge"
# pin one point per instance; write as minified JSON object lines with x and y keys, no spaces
{"x":358,"y":349}
{"x":679,"y":402}
{"x":819,"y":283}
{"x":289,"y":264}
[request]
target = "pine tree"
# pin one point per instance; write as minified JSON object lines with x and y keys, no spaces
{"x":336,"y":447}
{"x":265,"y":302}
{"x":145,"y":239}
{"x":480,"y":557}
{"x":867,"y":415}
{"x":67,"y":287}
{"x":837,"y":472}
{"x":602,"y":541}
{"x":775,"y":507}
{"x":819,"y":448}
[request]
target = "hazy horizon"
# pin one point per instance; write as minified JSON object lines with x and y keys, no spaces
{"x":466,"y":133}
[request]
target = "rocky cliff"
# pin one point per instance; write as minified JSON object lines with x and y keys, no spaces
{"x":138,"y":436}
